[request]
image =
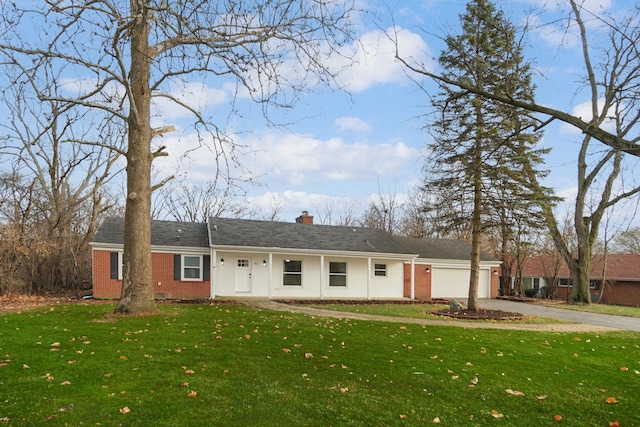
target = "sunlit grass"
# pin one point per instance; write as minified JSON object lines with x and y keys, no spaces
{"x":225,"y":365}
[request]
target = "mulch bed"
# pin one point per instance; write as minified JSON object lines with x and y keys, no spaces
{"x":481,"y":314}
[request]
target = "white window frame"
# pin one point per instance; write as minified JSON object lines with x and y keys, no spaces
{"x":380,"y":270}
{"x":184,"y":266}
{"x":335,"y":274}
{"x":291,"y":273}
{"x":560,"y":285}
{"x":120,"y":264}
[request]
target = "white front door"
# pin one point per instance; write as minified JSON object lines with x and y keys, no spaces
{"x":242,"y":275}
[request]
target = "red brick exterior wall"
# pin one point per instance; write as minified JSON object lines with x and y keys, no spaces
{"x":162,"y":272}
{"x":622,"y":293}
{"x":495,"y":282}
{"x":619,"y":293}
{"x":422,"y":281}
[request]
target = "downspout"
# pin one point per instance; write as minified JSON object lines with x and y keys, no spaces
{"x":321,"y":274}
{"x":413,"y":278}
{"x":269,"y":272}
{"x":213,"y":275}
{"x":369,"y":278}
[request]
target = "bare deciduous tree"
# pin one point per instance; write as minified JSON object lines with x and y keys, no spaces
{"x":611,"y":85}
{"x":121,"y":55}
{"x":67,"y":179}
{"x":383,"y":213}
{"x":200,"y":201}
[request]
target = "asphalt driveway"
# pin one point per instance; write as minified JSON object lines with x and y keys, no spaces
{"x":606,"y":320}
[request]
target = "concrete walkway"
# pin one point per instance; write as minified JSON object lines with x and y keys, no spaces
{"x":584,"y":322}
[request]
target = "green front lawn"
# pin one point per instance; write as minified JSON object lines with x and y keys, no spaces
{"x":203,"y":365}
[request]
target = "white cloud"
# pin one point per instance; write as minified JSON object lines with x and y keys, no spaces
{"x":283,"y":160}
{"x":353,"y":124}
{"x":196,"y":95}
{"x":373,"y":56}
{"x":298,"y":160}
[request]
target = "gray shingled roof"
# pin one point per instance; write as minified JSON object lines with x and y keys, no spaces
{"x":428,"y":247}
{"x":287,"y":235}
{"x":163,"y":233}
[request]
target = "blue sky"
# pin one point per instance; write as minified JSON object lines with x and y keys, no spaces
{"x":347,"y":146}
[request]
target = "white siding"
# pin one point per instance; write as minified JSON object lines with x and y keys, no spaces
{"x":267,"y":280}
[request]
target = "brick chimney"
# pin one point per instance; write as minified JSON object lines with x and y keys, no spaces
{"x":305,"y":218}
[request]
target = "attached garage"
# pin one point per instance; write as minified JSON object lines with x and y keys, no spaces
{"x":453,"y":282}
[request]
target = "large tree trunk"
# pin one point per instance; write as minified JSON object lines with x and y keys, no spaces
{"x":581,"y":277}
{"x":476,"y":219}
{"x":137,"y":290}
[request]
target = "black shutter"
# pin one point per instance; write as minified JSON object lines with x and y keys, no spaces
{"x":177,"y":269}
{"x":206,"y":265}
{"x":113,"y":265}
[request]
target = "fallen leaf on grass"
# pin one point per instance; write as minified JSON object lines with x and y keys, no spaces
{"x":308,"y":355}
{"x":612,"y":400}
{"x":192,"y":394}
{"x":624,"y":368}
{"x":189,"y":372}
{"x":514,"y":392}
{"x":286,"y":350}
{"x":403,"y":416}
{"x":558,"y":417}
{"x":436,"y":420}
{"x":496,"y":414}
{"x":614,"y":423}
{"x":65,"y":383}
{"x":542,"y":397}
{"x":125,"y":410}
{"x":25,"y":366}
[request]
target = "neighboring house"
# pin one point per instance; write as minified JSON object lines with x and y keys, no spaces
{"x":619,"y":272}
{"x":238,"y":257}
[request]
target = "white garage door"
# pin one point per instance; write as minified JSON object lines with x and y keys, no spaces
{"x":454,"y":283}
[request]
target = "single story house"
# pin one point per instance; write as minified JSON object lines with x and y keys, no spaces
{"x":250,"y":258}
{"x":616,"y":277}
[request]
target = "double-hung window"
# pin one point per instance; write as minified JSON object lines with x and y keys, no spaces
{"x":337,"y":274}
{"x":292,"y":273}
{"x":115,"y":265}
{"x":191,"y":267}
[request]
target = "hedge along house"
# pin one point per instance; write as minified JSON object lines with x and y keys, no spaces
{"x":249,"y":258}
